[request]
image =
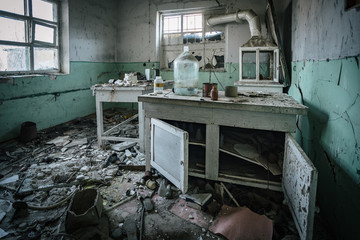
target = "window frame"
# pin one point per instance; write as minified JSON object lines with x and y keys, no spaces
{"x":60,"y":39}
{"x":202,"y":46}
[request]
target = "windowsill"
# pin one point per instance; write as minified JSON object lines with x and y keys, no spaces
{"x":9,"y":78}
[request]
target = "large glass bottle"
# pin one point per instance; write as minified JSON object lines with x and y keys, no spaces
{"x":186,"y":73}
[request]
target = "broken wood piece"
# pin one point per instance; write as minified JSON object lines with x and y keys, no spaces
{"x":32,"y":207}
{"x":122,"y":146}
{"x":122,"y":123}
{"x":201,"y":199}
{"x":230,"y":195}
{"x":250,"y":152}
{"x":120,"y":203}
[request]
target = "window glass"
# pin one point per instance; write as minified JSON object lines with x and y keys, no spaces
{"x":12,"y":30}
{"x":181,"y":28}
{"x":14,"y":6}
{"x":192,"y":23}
{"x":266,"y":63}
{"x":249,"y":65}
{"x":172,"y":24}
{"x":44,"y":10}
{"x":14,"y":58}
{"x":45,"y":58}
{"x":44,"y":34}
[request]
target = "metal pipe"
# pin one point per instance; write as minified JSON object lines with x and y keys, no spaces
{"x":248,"y":15}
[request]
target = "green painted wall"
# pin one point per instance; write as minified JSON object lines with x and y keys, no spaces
{"x":49,"y":102}
{"x":330,"y":135}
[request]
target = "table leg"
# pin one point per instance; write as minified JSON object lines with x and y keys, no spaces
{"x":99,"y":122}
{"x":141,"y":127}
{"x":212,"y":152}
{"x":147,"y":143}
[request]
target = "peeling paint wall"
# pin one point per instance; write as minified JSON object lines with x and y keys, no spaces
{"x":325,"y":77}
{"x":48,"y":101}
{"x":324,"y":30}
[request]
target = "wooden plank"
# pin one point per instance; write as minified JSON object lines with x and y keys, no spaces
{"x":251,"y":182}
{"x":299,"y":186}
{"x":212,"y":152}
{"x":119,"y":139}
{"x":120,"y":124}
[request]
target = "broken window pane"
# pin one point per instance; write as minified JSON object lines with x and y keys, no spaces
{"x":249,"y":65}
{"x":14,"y":58}
{"x":192,"y":23}
{"x":192,"y":37}
{"x":45,"y":59}
{"x":44,"y":34}
{"x":12,"y":30}
{"x":214,"y":36}
{"x":172,"y":24}
{"x":44,"y":10}
{"x":14,"y":6}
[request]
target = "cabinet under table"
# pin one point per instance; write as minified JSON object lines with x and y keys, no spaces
{"x":258,"y":111}
{"x":194,"y":136}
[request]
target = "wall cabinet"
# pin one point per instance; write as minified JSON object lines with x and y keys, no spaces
{"x":242,"y":140}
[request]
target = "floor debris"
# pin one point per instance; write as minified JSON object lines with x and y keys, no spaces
{"x":40,"y":181}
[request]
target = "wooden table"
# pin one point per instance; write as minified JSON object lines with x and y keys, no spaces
{"x":261,"y":111}
{"x":114,"y":93}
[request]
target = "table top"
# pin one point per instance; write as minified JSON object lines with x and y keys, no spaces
{"x":140,"y":86}
{"x":249,"y":101}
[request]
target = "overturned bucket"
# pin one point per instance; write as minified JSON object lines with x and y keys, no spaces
{"x":85,"y":210}
{"x":28,"y":131}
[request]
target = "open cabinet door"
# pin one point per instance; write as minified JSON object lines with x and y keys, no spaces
{"x":169,"y":152}
{"x":299,"y":185}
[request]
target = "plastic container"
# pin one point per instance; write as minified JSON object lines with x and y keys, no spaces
{"x":186,"y":73}
{"x":158,"y":85}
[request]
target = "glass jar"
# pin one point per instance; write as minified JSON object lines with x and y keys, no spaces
{"x":186,"y":73}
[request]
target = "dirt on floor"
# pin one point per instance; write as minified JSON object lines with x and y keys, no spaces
{"x":61,"y":185}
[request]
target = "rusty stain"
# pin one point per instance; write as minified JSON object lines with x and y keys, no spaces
{"x":101,"y":74}
{"x":112,"y":95}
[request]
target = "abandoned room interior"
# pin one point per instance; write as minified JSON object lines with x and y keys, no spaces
{"x":190,"y":119}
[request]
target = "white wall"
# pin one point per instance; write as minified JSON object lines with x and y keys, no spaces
{"x":93,"y":27}
{"x":137,"y":26}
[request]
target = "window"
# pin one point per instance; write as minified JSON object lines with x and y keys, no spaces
{"x":33,"y":36}
{"x":179,"y":28}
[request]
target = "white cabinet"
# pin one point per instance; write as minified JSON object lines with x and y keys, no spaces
{"x":189,"y":136}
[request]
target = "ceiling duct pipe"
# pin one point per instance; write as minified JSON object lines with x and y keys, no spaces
{"x":248,"y":15}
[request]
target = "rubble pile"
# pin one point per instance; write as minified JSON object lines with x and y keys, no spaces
{"x":61,"y":185}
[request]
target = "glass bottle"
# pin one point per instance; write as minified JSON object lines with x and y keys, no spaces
{"x":214,"y":93}
{"x":158,"y":85}
{"x":186,"y":73}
